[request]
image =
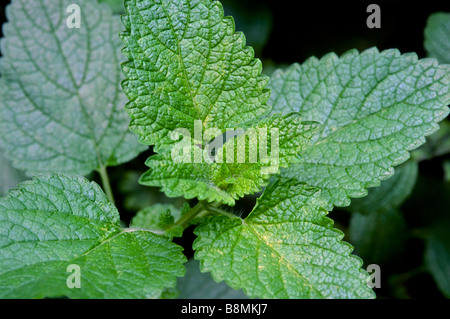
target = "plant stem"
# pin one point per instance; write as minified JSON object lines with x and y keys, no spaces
{"x":105,"y":182}
{"x":186,"y":218}
{"x":220,"y":211}
{"x":201,"y":209}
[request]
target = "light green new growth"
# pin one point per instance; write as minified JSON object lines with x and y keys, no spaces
{"x":285,"y":248}
{"x":55,"y":221}
{"x":225,"y":181}
{"x":186,"y":63}
{"x":61,"y":105}
{"x":374,"y":108}
{"x":159,"y":217}
{"x":437,"y":36}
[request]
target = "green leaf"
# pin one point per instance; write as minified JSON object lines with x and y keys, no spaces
{"x":285,"y":248}
{"x":227,"y":178}
{"x":61,"y":105}
{"x":437,"y":257}
{"x":374,"y":108}
{"x":378,"y":237}
{"x":55,"y":221}
{"x":437,"y":36}
{"x":9,"y":177}
{"x":392,"y":192}
{"x":186,"y":63}
{"x":198,"y":285}
{"x":188,"y":180}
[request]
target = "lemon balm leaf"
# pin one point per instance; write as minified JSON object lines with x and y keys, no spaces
{"x":285,"y":248}
{"x":55,"y":221}
{"x":187,"y":63}
{"x":374,"y":106}
{"x":61,"y":105}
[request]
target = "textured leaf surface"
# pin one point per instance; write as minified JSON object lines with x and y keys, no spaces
{"x":286,"y":248}
{"x":374,"y":108}
{"x":392,"y":192}
{"x":229,"y":176}
{"x":61,"y":105}
{"x":55,"y":221}
{"x":186,"y":63}
{"x":158,"y":217}
{"x":437,"y":36}
{"x":188,"y":180}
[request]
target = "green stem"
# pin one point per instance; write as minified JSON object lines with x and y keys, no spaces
{"x":186,"y":218}
{"x":201,"y":209}
{"x":220,"y":211}
{"x":106,"y":184}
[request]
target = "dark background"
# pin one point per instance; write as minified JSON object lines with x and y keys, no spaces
{"x":283,"y":32}
{"x":301,"y":29}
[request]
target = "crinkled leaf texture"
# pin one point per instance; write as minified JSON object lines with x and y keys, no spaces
{"x":374,"y":108}
{"x":186,"y":63}
{"x":286,"y":248}
{"x":61,"y":105}
{"x":223,"y":180}
{"x":55,"y":221}
{"x":153,"y":217}
{"x":437,"y":36}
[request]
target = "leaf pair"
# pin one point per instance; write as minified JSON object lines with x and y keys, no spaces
{"x":373,"y":107}
{"x":186,"y":64}
{"x":61,"y":111}
{"x":52,"y":222}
